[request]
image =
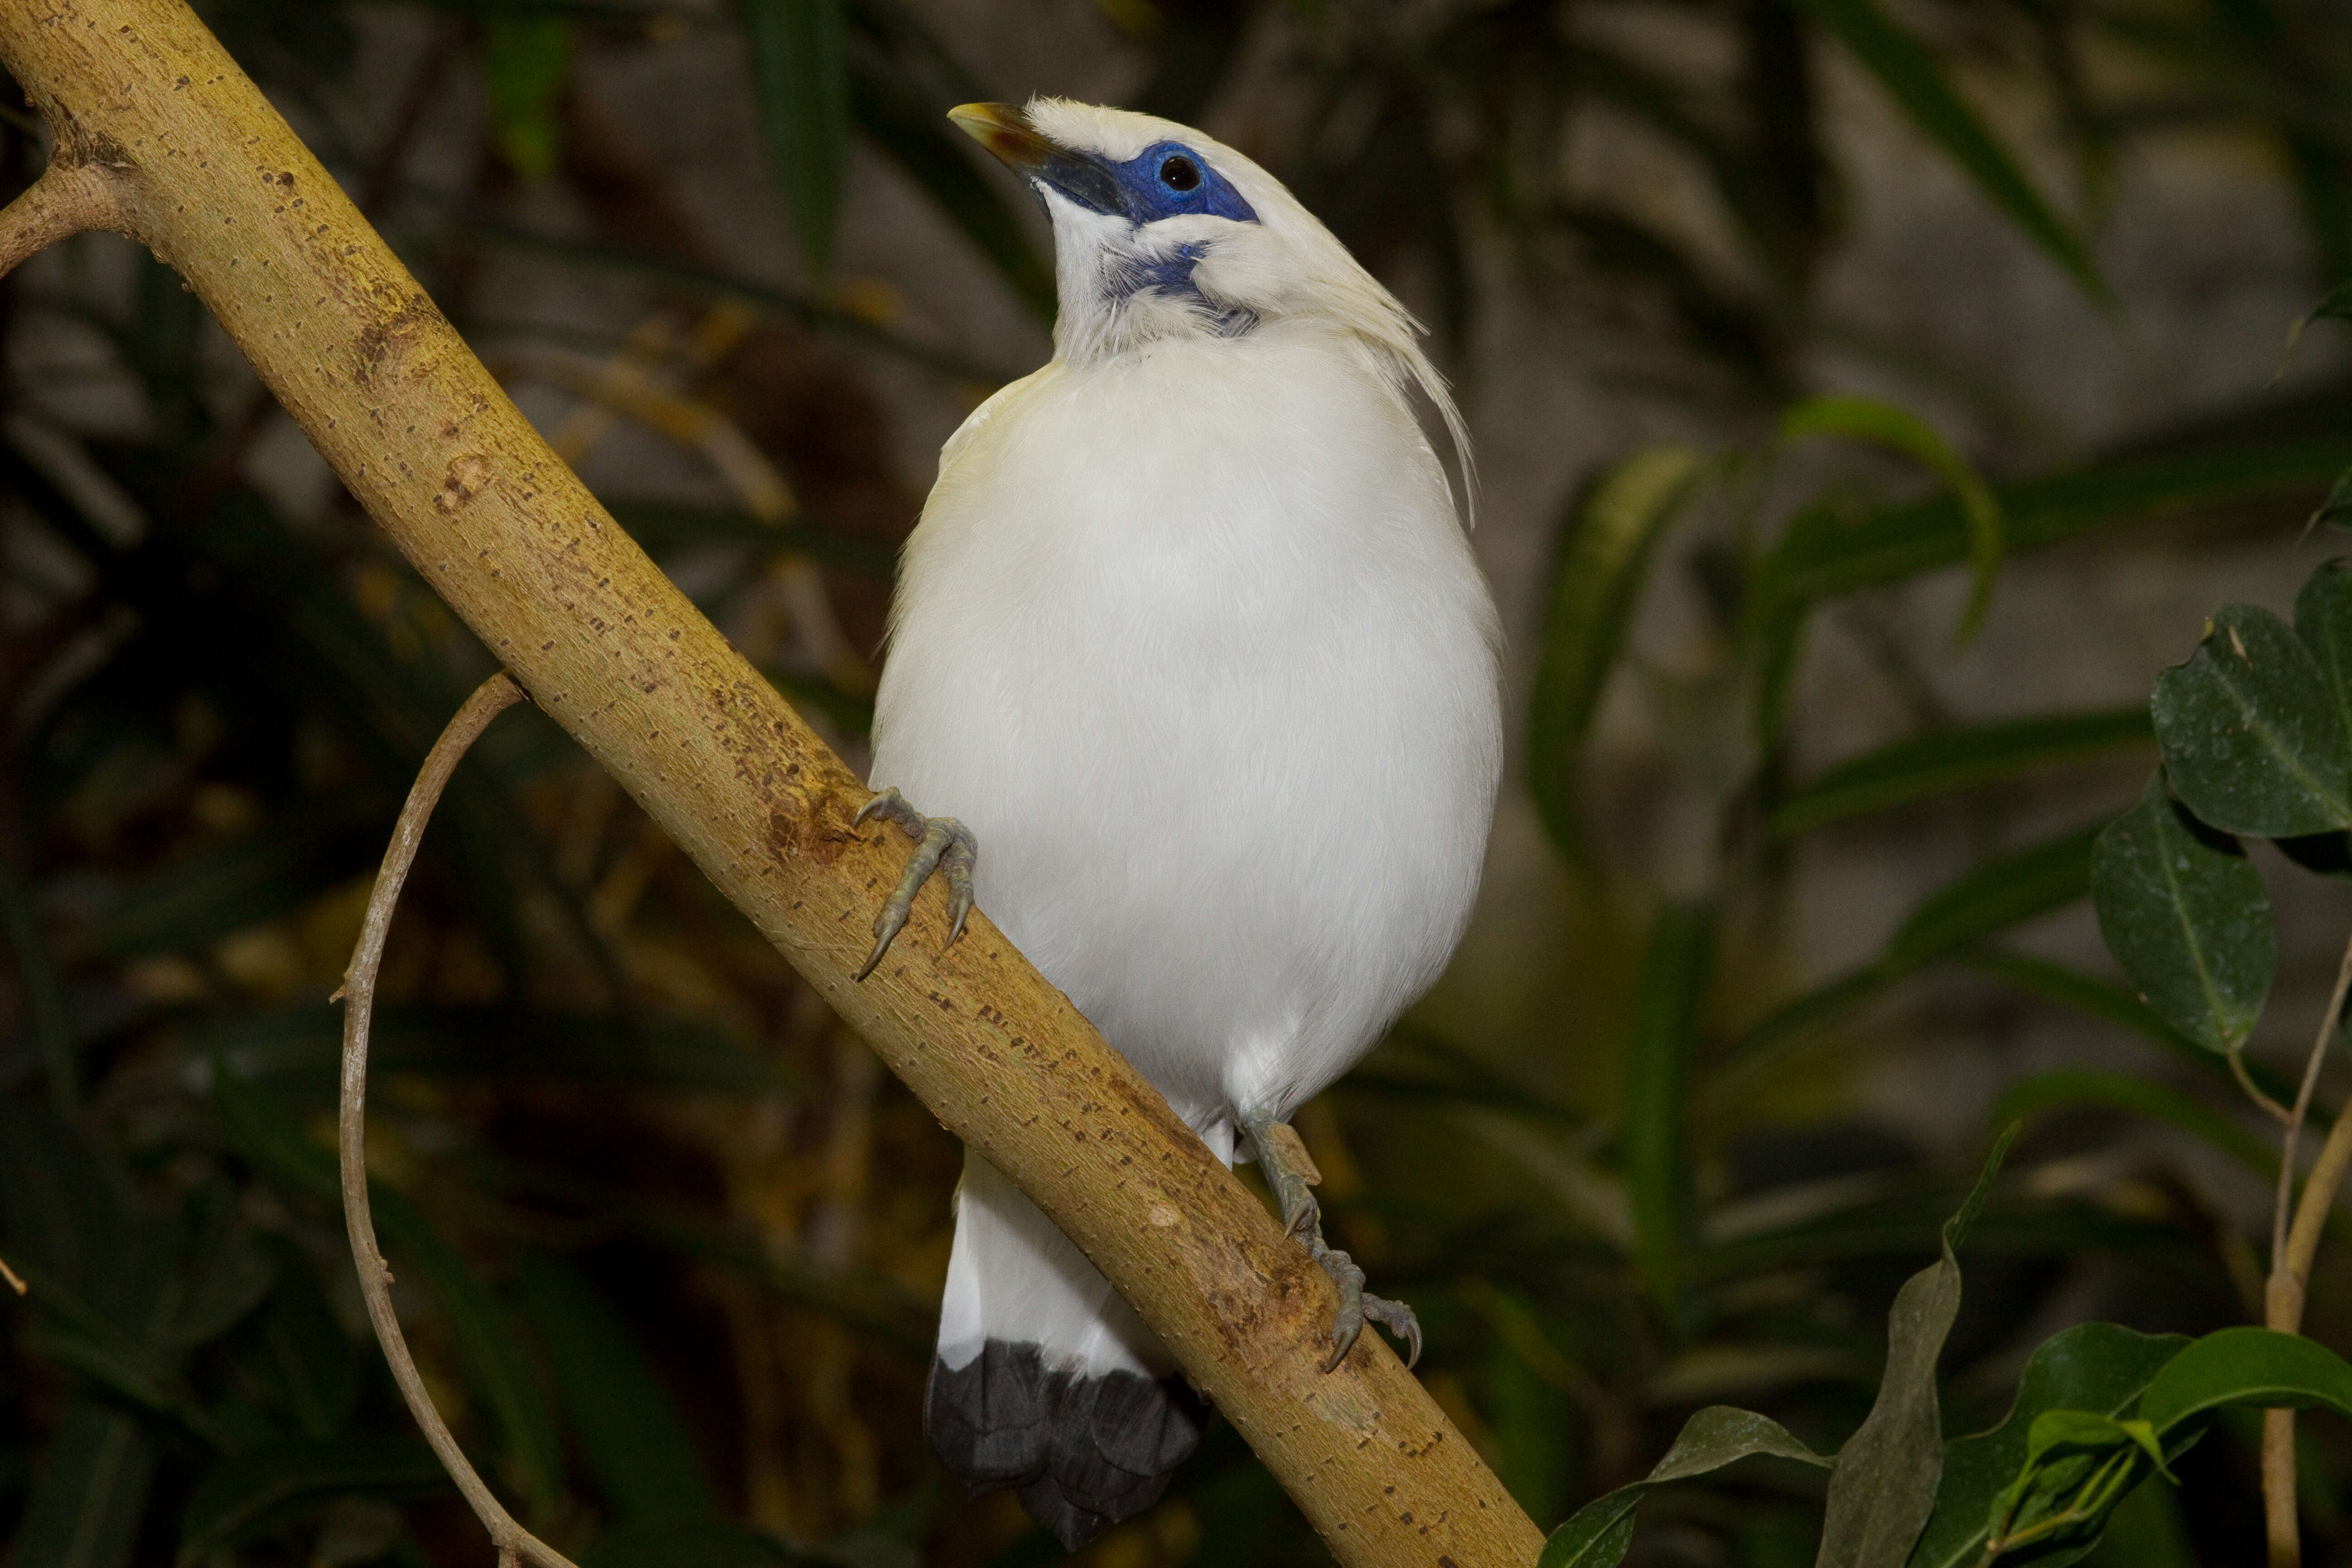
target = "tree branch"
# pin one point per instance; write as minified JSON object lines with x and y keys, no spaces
{"x":69,"y":199}
{"x":206,"y":173}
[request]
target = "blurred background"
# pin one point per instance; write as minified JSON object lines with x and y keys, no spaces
{"x":1785,"y":910}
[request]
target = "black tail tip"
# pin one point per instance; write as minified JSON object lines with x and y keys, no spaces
{"x":1084,"y":1452}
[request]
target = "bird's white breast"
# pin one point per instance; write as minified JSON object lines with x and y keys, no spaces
{"x":1192,"y":639}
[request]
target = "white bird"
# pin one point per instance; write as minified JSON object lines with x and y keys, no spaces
{"x":1189,"y":639}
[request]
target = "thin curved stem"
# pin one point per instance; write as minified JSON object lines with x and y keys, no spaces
{"x":67,"y":200}
{"x":494,"y":697}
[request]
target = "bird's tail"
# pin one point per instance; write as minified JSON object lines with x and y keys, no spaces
{"x":1046,"y":1380}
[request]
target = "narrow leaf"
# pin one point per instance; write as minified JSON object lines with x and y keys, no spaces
{"x":2336,"y":509}
{"x":636,"y":1446}
{"x":2336,"y":303}
{"x":266,"y":1487}
{"x":1900,"y":430}
{"x":799,"y":53}
{"x":2067,"y":1088}
{"x":2185,"y":913}
{"x":1918,"y":84}
{"x":1831,"y":556}
{"x":1883,"y":1486}
{"x":1597,"y":1534}
{"x":91,"y":1492}
{"x":1950,"y":761}
{"x":2003,"y":891}
{"x":2251,"y":733}
{"x":1990,"y":898}
{"x":1603,"y":560}
{"x":1663,"y":1040}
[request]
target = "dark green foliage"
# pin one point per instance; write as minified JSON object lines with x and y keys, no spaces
{"x":2251,"y":736}
{"x":1944,"y":763}
{"x":1912,"y":77}
{"x":1657,"y":1094}
{"x":798,"y":54}
{"x":1605,"y":554}
{"x":2184,"y":912}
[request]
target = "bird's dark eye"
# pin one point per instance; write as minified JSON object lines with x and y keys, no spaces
{"x":1180,"y":174}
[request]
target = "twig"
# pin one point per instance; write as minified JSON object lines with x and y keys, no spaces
{"x":2268,"y":1106}
{"x":494,"y":697}
{"x":2292,"y":1250}
{"x":67,"y":200}
{"x":16,"y":1281}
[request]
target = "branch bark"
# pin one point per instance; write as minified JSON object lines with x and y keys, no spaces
{"x":200,"y":168}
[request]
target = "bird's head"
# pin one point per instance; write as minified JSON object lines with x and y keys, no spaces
{"x":1160,"y":231}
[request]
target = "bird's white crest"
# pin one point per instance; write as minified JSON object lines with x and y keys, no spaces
{"x":1285,"y":265}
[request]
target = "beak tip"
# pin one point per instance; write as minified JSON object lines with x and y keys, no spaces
{"x":986,"y":122}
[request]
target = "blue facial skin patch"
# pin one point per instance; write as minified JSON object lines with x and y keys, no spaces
{"x":1168,"y":179}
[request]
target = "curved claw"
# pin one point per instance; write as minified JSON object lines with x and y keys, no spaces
{"x":943,"y":845}
{"x":1349,"y":1321}
{"x":1398,"y":1320}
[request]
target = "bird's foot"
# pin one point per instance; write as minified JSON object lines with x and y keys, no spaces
{"x":942,"y":844}
{"x":1291,"y":1175}
{"x":1356,"y":1304}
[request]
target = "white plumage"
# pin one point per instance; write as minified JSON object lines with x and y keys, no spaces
{"x":1191,"y":638}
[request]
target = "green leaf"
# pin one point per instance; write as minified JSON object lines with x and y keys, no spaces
{"x":2094,"y":1367}
{"x":2336,"y":303}
{"x":1661,"y":1046}
{"x":2003,"y":891}
{"x":1883,"y":1486}
{"x":2184,"y":911}
{"x":798,"y":54}
{"x":1603,"y":560}
{"x":526,"y":61}
{"x":294,"y":1357}
{"x":2064,"y":986}
{"x":2065,"y":1088}
{"x":2251,"y":733}
{"x":2336,"y":509}
{"x":1821,"y":554}
{"x":637,"y":1446}
{"x":268,"y":1488}
{"x":2079,"y":1467}
{"x":1912,"y":77}
{"x":2322,"y":620}
{"x":2247,"y":1366}
{"x":92,"y":1493}
{"x":1900,"y":430}
{"x":1597,"y":1534}
{"x":1948,"y":762}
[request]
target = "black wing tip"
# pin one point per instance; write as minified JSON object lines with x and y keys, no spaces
{"x":1084,"y":1452}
